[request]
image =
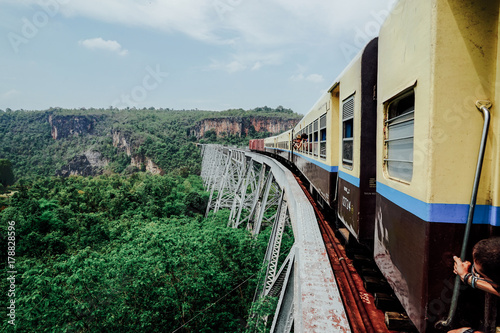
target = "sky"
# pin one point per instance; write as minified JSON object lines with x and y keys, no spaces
{"x":178,"y":54}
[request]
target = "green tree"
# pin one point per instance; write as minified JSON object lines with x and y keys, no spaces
{"x":6,"y":174}
{"x":126,"y":254}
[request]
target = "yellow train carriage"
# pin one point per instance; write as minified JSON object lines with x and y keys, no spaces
{"x":353,"y":99}
{"x":317,"y":158}
{"x":270,"y":144}
{"x":283,"y":145}
{"x":436,"y":60}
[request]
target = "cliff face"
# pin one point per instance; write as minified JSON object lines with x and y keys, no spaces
{"x":139,"y":161}
{"x":66,"y":126}
{"x":89,"y":163}
{"x":123,"y":141}
{"x":240,"y":126}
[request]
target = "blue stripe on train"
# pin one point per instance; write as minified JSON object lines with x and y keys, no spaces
{"x":430,"y":212}
{"x":436,"y":212}
{"x":329,"y":168}
{"x":348,"y":178}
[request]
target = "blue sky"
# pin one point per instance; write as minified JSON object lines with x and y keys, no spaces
{"x":179,"y":54}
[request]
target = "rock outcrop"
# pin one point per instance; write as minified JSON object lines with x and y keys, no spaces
{"x":148,"y":164}
{"x":123,"y":140}
{"x":90,"y":163}
{"x":241,"y":126}
{"x":66,"y":126}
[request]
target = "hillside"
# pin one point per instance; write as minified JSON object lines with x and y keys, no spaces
{"x":106,"y":141}
{"x":123,"y":254}
{"x":123,"y":250}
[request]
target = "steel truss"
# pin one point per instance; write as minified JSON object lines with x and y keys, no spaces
{"x":249,"y":189}
{"x":246,"y":184}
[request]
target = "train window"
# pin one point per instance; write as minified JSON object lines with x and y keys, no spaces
{"x":315,"y":138}
{"x":347,"y":131}
{"x":309,"y":139}
{"x":322,"y":136}
{"x":399,"y":136}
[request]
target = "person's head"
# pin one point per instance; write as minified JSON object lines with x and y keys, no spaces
{"x":298,"y":136}
{"x":304,"y":136}
{"x":486,"y":254}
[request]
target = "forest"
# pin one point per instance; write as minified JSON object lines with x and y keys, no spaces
{"x":124,"y":250}
{"x":163,"y":135}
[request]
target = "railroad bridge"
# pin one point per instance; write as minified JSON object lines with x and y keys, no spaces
{"x":260,"y":192}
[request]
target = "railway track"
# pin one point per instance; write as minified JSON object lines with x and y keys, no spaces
{"x":361,"y":305}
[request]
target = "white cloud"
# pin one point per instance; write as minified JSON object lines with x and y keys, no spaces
{"x":230,"y":67}
{"x":101,"y":44}
{"x":235,"y":66}
{"x":218,"y":21}
{"x":9,"y":94}
{"x":316,"y":78}
{"x":243,"y":61}
{"x":283,"y":28}
{"x":297,"y":77}
{"x":191,"y":17}
{"x":257,"y":66}
{"x":279,"y":27}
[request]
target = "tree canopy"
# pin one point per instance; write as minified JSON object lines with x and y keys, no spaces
{"x":162,"y":135}
{"x":127,"y":254}
{"x":124,"y":251}
{"x":6,"y":174}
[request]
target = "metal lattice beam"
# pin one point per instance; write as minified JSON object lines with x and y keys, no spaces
{"x":260,"y":193}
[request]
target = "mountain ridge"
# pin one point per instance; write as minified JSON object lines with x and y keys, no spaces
{"x":65,"y":142}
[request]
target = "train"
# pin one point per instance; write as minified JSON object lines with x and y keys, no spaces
{"x":392,"y":150}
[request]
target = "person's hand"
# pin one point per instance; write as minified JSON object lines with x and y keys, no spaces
{"x":461,"y":267}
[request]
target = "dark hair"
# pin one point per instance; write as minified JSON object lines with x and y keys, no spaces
{"x":304,"y":136}
{"x":487,"y":253}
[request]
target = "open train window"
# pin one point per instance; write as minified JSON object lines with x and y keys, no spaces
{"x":309,"y":139}
{"x":347,"y":131}
{"x":399,"y":136}
{"x":315,"y":138}
{"x":322,"y":136}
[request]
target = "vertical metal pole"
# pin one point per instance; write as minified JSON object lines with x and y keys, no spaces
{"x":284,"y":315}
{"x":223,"y":182}
{"x":278,"y":229}
{"x":240,"y":187}
{"x":257,"y":194}
{"x":243,"y":192}
{"x":258,"y":222}
{"x":483,"y":107}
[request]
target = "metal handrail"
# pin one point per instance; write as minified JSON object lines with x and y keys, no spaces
{"x":483,"y":106}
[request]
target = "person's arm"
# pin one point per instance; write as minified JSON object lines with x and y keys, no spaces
{"x":462,"y":269}
{"x":486,"y":286}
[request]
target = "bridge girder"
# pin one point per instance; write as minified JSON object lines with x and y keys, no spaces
{"x":259,"y":192}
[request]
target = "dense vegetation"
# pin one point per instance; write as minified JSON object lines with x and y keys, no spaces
{"x":126,"y":254}
{"x":159,"y":134}
{"x":124,"y":251}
